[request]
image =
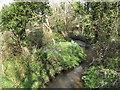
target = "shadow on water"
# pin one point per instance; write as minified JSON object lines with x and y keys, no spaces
{"x":67,"y":79}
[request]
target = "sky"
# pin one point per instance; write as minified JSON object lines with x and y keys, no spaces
{"x":6,"y":2}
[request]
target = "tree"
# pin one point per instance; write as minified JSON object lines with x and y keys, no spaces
{"x":15,"y":17}
{"x":97,"y":19}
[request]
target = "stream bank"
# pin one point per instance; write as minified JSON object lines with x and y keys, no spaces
{"x":71,"y":78}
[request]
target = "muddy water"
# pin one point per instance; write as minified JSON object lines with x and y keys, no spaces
{"x":68,"y":79}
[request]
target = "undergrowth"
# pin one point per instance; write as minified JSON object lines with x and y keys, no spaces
{"x":25,"y":72}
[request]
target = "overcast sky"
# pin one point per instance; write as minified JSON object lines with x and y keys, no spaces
{"x":2,"y":2}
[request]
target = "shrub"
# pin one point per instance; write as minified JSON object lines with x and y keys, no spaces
{"x":61,"y":56}
{"x":14,"y":70}
{"x":28,"y":72}
{"x":107,"y":54}
{"x":105,"y":70}
{"x":100,"y":77}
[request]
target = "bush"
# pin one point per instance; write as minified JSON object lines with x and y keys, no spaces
{"x":61,"y":56}
{"x":107,"y":54}
{"x":9,"y":47}
{"x":14,"y":71}
{"x":100,"y":77}
{"x":28,"y":72}
{"x":105,"y":70}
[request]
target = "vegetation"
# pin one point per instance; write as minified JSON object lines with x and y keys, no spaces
{"x":37,"y":42}
{"x":49,"y":60}
{"x":18,"y":14}
{"x":99,"y":20}
{"x":101,"y":77}
{"x":104,"y":73}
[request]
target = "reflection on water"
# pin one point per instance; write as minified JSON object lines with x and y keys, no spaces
{"x":68,"y":79}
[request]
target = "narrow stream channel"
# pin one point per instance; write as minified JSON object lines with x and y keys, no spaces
{"x":69,"y":79}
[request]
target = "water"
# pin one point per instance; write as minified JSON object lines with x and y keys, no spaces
{"x":71,"y":78}
{"x":67,"y":79}
{"x":83,"y":44}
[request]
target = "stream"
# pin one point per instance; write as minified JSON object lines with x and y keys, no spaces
{"x":68,"y":79}
{"x":71,"y":78}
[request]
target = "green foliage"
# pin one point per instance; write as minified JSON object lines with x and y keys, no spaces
{"x":21,"y":72}
{"x":6,"y":83}
{"x":14,"y":71}
{"x":105,"y":70}
{"x":107,"y":54}
{"x":100,"y":77}
{"x":98,"y":20}
{"x":68,"y":54}
{"x":8,"y":45}
{"x":61,"y":56}
{"x":15,"y":17}
{"x":59,"y":27}
{"x":113,"y":63}
{"x":28,"y":72}
{"x":58,"y":38}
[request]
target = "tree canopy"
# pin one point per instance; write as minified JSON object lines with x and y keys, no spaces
{"x":18,"y":14}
